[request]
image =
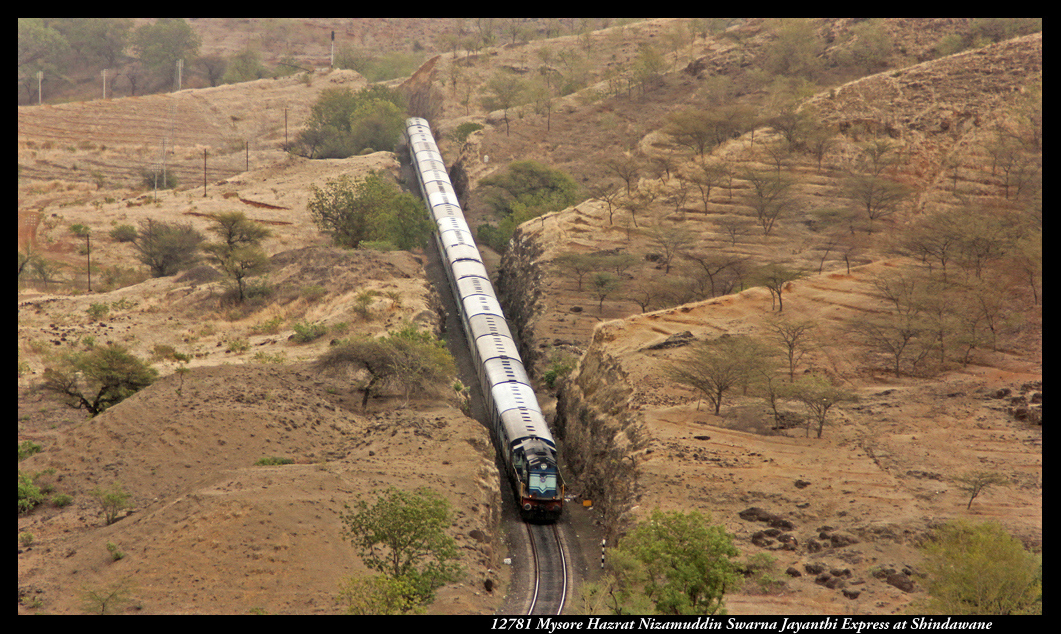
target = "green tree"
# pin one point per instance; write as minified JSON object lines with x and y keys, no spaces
{"x":413,"y":361}
{"x":403,"y":536}
{"x":529,"y":184}
{"x":112,"y":501}
{"x":99,"y":39}
{"x":343,"y":123}
{"x":38,"y":41}
{"x":680,"y":562}
{"x":99,"y":378}
{"x":370,"y":209}
{"x":980,"y":569}
{"x":160,"y":44}
{"x":244,"y":66}
{"x":167,"y":248}
{"x":238,"y":252}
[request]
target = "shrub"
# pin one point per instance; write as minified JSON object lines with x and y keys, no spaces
{"x":98,"y":311}
{"x":980,"y":569}
{"x":271,"y":461}
{"x":27,"y":448}
{"x":167,"y":248}
{"x":154,"y":178}
{"x":123,"y":233}
{"x":29,"y":494}
{"x":305,"y":332}
{"x":112,"y":500}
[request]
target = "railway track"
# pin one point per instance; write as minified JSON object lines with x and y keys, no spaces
{"x":549,"y":590}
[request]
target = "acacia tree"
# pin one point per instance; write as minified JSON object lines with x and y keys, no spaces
{"x":99,"y":378}
{"x":713,"y":367}
{"x":238,"y":251}
{"x":403,"y":536}
{"x":503,"y":92}
{"x":976,"y":482}
{"x":794,"y":336}
{"x":411,"y":360}
{"x":819,"y":395}
{"x":672,"y":241}
{"x":770,"y":197}
{"x":777,"y":278}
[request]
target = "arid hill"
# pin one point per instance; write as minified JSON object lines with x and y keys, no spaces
{"x":840,"y":516}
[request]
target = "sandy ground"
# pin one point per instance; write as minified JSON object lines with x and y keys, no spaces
{"x":210,"y":532}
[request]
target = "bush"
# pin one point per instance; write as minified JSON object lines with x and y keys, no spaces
{"x":167,"y":248}
{"x":369,"y":211}
{"x":98,"y":311}
{"x":305,"y":332}
{"x":272,"y":461}
{"x":112,"y":500}
{"x":343,"y":123}
{"x":153,"y":179}
{"x":981,"y":569}
{"x":29,"y":494}
{"x":27,"y":448}
{"x":461,"y":133}
{"x":123,"y":233}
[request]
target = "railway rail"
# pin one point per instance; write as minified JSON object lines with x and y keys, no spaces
{"x":549,"y":593}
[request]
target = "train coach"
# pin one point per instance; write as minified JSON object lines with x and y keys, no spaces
{"x":519,"y":429}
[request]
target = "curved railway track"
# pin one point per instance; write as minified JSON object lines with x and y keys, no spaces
{"x":549,"y":589}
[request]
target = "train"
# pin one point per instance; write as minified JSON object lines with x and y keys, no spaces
{"x":518,"y":427}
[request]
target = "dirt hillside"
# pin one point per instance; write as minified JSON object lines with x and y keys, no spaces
{"x":209,"y":531}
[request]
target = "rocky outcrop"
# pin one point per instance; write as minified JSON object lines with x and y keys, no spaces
{"x":519,"y":290}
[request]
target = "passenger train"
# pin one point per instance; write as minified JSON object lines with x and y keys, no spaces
{"x":518,"y":426}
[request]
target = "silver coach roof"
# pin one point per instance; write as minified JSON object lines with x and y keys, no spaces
{"x":469,"y":286}
{"x":481,"y":304}
{"x":496,"y":346}
{"x":469,"y":268}
{"x":462,"y":252}
{"x":503,"y":369}
{"x":513,"y":396}
{"x":483,"y":325}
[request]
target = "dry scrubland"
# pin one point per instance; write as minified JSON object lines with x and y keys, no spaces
{"x":211,"y":532}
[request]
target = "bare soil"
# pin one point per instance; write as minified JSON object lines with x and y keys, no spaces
{"x":211,"y":532}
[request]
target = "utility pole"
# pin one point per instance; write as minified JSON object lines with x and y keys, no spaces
{"x":204,"y":173}
{"x":104,"y":73}
{"x":332,"y":63}
{"x":40,"y":76}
